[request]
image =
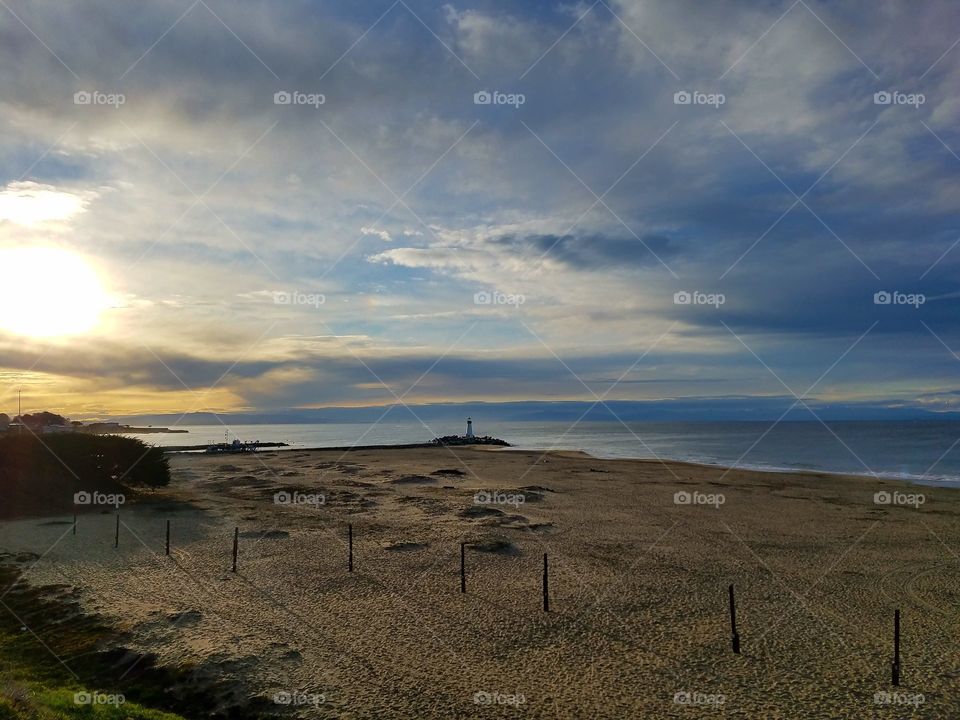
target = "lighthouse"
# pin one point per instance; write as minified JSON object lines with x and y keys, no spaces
{"x":469,"y":428}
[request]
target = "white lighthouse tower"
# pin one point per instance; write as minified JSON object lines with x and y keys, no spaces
{"x":469,"y":428}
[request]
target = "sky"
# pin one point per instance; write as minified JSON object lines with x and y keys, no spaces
{"x":310,"y":204}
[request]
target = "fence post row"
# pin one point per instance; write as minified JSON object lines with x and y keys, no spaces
{"x":734,"y":634}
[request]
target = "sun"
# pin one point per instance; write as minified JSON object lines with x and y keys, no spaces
{"x":48,"y":292}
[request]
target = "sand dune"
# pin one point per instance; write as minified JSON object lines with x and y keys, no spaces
{"x":638,"y":585}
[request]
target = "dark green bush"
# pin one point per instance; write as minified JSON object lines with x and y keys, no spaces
{"x":97,"y":460}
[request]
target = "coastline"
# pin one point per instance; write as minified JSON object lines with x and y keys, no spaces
{"x":943,"y":481}
{"x":918,"y":452}
{"x":947,"y":482}
{"x":903,"y":478}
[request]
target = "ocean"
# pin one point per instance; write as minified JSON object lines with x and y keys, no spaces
{"x":926,"y":452}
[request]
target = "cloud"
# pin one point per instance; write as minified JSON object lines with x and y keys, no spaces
{"x":382,"y":234}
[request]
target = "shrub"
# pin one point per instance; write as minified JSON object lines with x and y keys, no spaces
{"x":97,"y":460}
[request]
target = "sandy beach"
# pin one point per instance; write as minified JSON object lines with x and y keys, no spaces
{"x":638,"y":623}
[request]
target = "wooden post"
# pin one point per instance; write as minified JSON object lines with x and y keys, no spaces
{"x":463,"y":571}
{"x":546,"y":585}
{"x":236,"y":546}
{"x":168,"y":537}
{"x":74,"y":523}
{"x":116,"y":534}
{"x":895,"y":667}
{"x":350,"y":543}
{"x":733,"y":623}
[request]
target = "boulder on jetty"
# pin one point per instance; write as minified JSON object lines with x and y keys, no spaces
{"x":469,"y":440}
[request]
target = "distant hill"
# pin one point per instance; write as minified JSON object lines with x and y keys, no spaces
{"x":680,"y":409}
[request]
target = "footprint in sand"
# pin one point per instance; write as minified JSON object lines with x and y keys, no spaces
{"x":449,"y":472}
{"x":495,"y":545}
{"x":406,"y":546}
{"x":479,"y":511}
{"x":265,"y":535}
{"x":413,"y":480}
{"x":186,"y":618}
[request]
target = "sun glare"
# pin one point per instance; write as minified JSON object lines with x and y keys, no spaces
{"x":48,"y":292}
{"x":29,"y":204}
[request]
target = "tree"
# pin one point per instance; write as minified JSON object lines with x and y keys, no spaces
{"x":42,"y":419}
{"x":97,"y":461}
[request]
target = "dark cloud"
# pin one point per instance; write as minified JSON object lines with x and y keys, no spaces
{"x":593,"y":252}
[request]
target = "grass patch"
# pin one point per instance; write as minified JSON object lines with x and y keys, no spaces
{"x":33,"y":701}
{"x":34,"y":684}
